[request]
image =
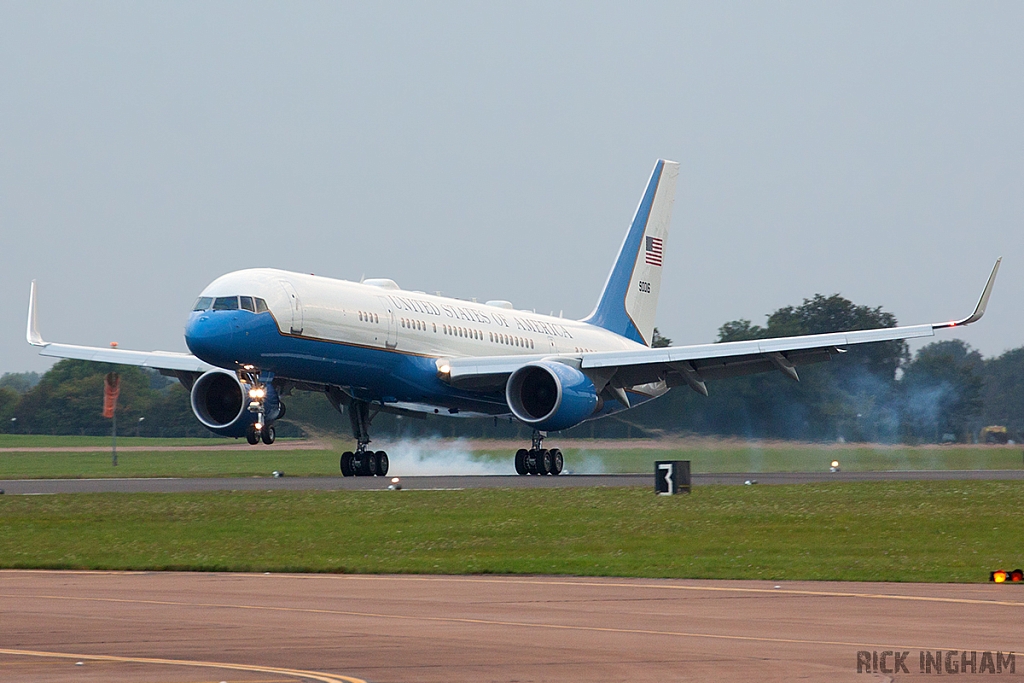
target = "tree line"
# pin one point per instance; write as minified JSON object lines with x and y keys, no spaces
{"x":875,"y":393}
{"x":878,"y":392}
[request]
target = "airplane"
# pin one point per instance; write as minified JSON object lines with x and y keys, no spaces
{"x":258,"y":334}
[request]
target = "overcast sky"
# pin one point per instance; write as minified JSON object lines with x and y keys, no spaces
{"x":499,"y":150}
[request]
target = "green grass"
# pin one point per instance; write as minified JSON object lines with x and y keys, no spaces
{"x":706,"y":456}
{"x":731,"y":456}
{"x":47,"y":441}
{"x":249,"y":462}
{"x":892,"y":531}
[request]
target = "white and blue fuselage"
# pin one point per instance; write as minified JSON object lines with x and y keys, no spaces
{"x":381,"y":343}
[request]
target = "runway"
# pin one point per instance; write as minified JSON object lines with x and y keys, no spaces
{"x":192,"y":628}
{"x":190,"y":485}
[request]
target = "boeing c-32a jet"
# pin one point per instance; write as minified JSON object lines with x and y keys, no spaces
{"x":258,"y":334}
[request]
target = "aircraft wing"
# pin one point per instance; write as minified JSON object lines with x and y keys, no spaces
{"x":692,"y":365}
{"x":158,"y":360}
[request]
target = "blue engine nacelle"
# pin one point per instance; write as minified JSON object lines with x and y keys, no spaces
{"x":221,"y":403}
{"x":549,"y":396}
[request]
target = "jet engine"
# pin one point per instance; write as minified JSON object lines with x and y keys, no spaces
{"x":549,"y":396}
{"x":221,"y":403}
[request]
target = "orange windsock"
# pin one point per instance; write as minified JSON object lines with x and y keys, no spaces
{"x":111,"y":390}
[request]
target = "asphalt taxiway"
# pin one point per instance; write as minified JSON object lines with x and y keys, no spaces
{"x":192,"y":485}
{"x":190,"y":628}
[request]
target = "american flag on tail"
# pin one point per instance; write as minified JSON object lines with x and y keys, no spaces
{"x":653,"y":253}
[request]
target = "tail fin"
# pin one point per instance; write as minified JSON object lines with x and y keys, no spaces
{"x":630,"y":297}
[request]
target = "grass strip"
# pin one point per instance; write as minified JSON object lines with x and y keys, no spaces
{"x":754,"y":457}
{"x":47,"y":441}
{"x":892,"y":531}
{"x":705,"y":458}
{"x":249,"y":462}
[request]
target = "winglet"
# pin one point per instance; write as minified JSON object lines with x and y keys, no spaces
{"x":982,"y":304}
{"x":32,"y":330}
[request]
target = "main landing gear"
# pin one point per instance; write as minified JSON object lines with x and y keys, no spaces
{"x":364,"y":462}
{"x":539,"y":460}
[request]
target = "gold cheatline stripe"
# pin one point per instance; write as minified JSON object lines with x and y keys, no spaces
{"x":313,"y":675}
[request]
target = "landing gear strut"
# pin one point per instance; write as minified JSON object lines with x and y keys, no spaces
{"x":539,"y":460}
{"x":259,"y":430}
{"x":363,"y":462}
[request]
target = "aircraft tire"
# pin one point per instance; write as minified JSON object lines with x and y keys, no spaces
{"x":382,"y":463}
{"x":543,"y":461}
{"x":370,"y":464}
{"x":268,"y":434}
{"x":557,"y":461}
{"x":521,"y":455}
{"x":530,"y":462}
{"x":346,"y":464}
{"x":251,"y":435}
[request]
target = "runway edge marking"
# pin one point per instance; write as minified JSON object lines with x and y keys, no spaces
{"x":548,"y":582}
{"x":298,"y":673}
{"x":655,"y":586}
{"x":482,"y":622}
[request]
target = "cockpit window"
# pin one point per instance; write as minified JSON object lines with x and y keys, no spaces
{"x":231,"y":303}
{"x":225,"y":303}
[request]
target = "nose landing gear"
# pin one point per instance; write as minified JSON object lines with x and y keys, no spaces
{"x":259,"y":430}
{"x":539,"y":460}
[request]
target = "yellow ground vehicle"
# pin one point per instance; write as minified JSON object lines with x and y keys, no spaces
{"x":993,"y":434}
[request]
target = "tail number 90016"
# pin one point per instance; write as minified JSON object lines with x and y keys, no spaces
{"x":645,"y":287}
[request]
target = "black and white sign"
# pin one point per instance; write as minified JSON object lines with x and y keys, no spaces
{"x":671,"y":477}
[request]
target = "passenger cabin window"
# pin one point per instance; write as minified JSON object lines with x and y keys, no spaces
{"x":247,"y":304}
{"x":225,"y":303}
{"x":203,"y":303}
{"x":261,"y":305}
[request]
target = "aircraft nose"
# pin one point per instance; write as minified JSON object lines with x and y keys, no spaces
{"x":208,"y":336}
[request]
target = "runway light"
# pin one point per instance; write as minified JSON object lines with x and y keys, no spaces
{"x":1017,"y":575}
{"x":998,"y":576}
{"x":834,"y":467}
{"x":395,"y":484}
